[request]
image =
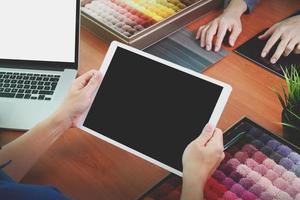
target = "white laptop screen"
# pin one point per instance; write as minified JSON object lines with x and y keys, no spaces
{"x":38,"y":30}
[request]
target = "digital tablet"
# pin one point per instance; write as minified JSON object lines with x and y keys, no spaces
{"x":151,"y":107}
{"x":253,"y":48}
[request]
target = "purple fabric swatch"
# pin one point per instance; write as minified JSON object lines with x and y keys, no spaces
{"x":254,"y":132}
{"x":295,"y":157}
{"x":258,"y":144}
{"x":267,"y":150}
{"x":296,"y":170}
{"x":228,"y":195}
{"x":286,"y":163}
{"x":273,"y":144}
{"x":226,"y":168}
{"x":236,"y":176}
{"x":237,"y":189}
{"x":265,"y":138}
{"x":266,"y":196}
{"x":276,"y":157}
{"x":284,"y":150}
{"x":256,"y":189}
{"x":246,"y":183}
{"x":248,"y":196}
{"x":228,"y":182}
{"x":219,"y":175}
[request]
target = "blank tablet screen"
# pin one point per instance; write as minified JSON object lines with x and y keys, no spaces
{"x":150,"y":107}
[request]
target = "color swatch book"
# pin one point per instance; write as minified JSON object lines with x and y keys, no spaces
{"x":257,"y":165}
{"x":183,"y":49}
{"x":129,"y":17}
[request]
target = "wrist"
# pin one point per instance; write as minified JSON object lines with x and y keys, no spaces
{"x":61,"y":120}
{"x":195,"y":177}
{"x":236,"y":8}
{"x":192,"y":187}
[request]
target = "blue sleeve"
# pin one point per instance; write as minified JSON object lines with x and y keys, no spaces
{"x":250,"y":4}
{"x":12,"y":190}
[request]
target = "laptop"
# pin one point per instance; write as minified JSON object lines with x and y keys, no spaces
{"x":38,"y":59}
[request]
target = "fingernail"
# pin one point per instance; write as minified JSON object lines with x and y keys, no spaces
{"x":208,"y":47}
{"x":273,"y":60}
{"x":263,"y":54}
{"x":231,"y":43}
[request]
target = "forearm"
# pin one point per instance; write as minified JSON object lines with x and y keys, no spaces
{"x":193,"y":186}
{"x":236,"y":7}
{"x":27,"y":149}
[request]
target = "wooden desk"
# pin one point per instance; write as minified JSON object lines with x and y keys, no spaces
{"x":85,"y":167}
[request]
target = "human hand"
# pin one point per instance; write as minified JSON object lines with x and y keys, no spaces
{"x":288,"y":31}
{"x":230,"y":21}
{"x":203,"y":155}
{"x":79,"y":97}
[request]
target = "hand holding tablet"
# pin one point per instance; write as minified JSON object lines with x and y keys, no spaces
{"x":151,"y":107}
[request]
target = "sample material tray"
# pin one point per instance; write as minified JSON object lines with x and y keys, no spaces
{"x":140,"y":23}
{"x":257,"y":165}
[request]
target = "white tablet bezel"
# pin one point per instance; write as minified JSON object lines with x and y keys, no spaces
{"x":213,"y":119}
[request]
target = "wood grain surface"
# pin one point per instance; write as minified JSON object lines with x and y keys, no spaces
{"x":85,"y":167}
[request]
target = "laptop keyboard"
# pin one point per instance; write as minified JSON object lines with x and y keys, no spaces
{"x":28,"y":85}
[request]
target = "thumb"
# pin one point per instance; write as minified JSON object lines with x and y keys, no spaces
{"x":93,"y":84}
{"x":217,"y":139}
{"x":205,"y":136}
{"x":297,"y":49}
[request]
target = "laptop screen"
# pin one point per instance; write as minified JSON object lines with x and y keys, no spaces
{"x":35,"y":30}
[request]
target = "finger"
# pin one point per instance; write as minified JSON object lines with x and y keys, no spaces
{"x":290,"y":47}
{"x":273,"y":39}
{"x":82,"y":80}
{"x":203,"y":35}
{"x":297,"y":49}
{"x":267,"y":33}
{"x":210,"y":34}
{"x":220,"y":36}
{"x":199,"y":32}
{"x":234,"y":34}
{"x":205,"y":136}
{"x":216,"y":140}
{"x":93,"y":84}
{"x":279,"y":51}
